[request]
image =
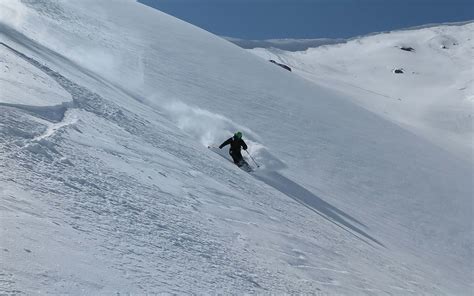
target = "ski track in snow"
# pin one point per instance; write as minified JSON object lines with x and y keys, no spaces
{"x":42,"y":133}
{"x":86,"y":100}
{"x":40,"y":148}
{"x":68,"y":119}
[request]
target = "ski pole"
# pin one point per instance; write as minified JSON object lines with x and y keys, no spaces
{"x":252,"y":159}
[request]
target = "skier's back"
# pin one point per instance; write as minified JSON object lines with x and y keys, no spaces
{"x":236,"y":143}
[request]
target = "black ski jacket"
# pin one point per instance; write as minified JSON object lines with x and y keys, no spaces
{"x":235,"y":144}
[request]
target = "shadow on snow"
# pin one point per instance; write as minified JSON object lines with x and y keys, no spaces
{"x":316,"y":204}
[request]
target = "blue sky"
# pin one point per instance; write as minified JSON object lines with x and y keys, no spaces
{"x":265,"y":19}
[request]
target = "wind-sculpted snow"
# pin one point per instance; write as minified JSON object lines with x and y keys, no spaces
{"x":135,"y":206}
{"x":116,"y":191}
{"x":97,"y":205}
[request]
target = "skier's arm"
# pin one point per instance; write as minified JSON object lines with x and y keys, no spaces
{"x":227,"y":142}
{"x":244,"y":145}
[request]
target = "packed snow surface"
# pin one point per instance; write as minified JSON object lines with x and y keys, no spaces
{"x":107,"y":184}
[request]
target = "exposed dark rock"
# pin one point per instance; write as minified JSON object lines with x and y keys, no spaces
{"x":398,"y":71}
{"x":281,"y":65}
{"x":407,"y":48}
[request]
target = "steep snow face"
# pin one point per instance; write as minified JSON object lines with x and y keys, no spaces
{"x":116,"y":191}
{"x":22,"y":84}
{"x":432,"y":93}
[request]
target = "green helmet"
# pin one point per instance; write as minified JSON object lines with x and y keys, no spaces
{"x":238,"y":135}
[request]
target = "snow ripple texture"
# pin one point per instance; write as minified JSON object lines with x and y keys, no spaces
{"x":97,"y":204}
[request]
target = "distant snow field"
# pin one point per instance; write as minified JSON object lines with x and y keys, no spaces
{"x":432,"y":96}
{"x":107,"y":184}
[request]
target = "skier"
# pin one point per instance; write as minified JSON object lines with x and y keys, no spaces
{"x":236,"y":143}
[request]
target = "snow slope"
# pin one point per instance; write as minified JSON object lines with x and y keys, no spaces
{"x":434,"y":95}
{"x":22,"y":84}
{"x":117,"y":192}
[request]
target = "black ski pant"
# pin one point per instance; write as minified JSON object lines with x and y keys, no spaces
{"x":236,"y":156}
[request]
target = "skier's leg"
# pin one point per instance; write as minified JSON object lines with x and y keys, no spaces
{"x":237,"y":156}
{"x":234,"y":156}
{"x":236,"y":159}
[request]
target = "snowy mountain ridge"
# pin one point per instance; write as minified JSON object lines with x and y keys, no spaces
{"x":293,"y":44}
{"x":288,"y":44}
{"x":108,"y":186}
